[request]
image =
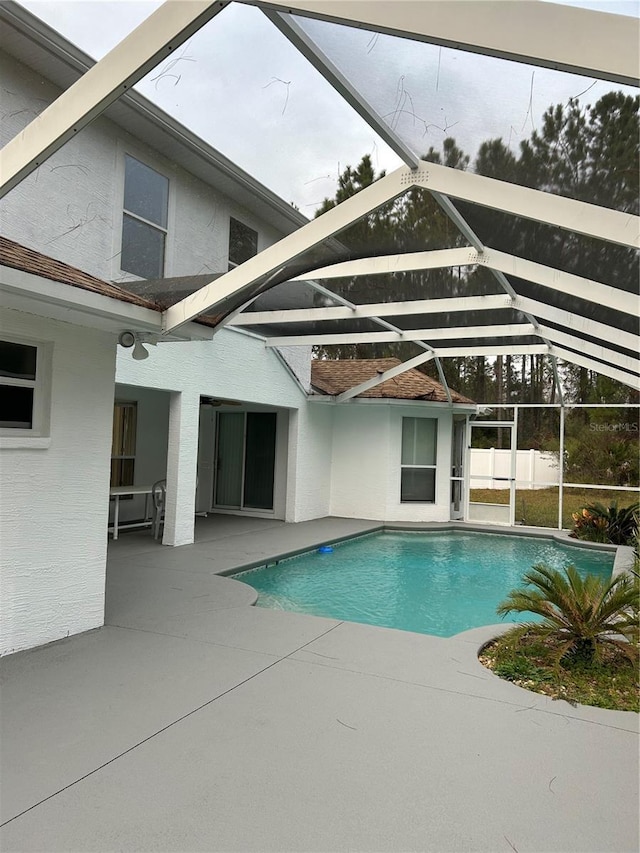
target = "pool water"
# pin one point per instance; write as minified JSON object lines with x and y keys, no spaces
{"x":432,"y":583}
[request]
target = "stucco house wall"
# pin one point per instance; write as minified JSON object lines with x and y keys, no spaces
{"x":310,"y":470}
{"x":365,"y":462}
{"x":53,"y":513}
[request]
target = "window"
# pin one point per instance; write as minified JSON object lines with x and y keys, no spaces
{"x":243,"y":243}
{"x":418,"y":460}
{"x":25,"y":380}
{"x":123,"y":444}
{"x":144,"y":221}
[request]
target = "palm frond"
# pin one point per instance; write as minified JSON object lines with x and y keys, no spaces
{"x":578,"y":612}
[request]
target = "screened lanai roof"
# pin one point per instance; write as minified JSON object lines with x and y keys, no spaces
{"x":551,"y":270}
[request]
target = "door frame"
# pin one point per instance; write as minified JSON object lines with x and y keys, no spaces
{"x":457,"y":422}
{"x":512,"y":427}
{"x":218,"y":507}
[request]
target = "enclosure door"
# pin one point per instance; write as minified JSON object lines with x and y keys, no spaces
{"x":492,"y":472}
{"x":245,"y":460}
{"x":457,"y":467}
{"x":204,"y":482}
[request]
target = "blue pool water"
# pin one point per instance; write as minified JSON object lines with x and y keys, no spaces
{"x":432,"y":583}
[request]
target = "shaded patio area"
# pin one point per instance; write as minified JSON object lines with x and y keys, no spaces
{"x":193,"y":721}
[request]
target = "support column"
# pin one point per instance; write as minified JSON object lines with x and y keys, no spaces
{"x":182,"y":463}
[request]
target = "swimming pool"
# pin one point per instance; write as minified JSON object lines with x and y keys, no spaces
{"x":438,"y":583}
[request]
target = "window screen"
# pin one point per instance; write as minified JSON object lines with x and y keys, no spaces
{"x":123,"y":444}
{"x":418,"y":460}
{"x":243,"y":243}
{"x":144,"y":223}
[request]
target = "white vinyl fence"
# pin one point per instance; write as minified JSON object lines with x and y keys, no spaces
{"x":533,"y":468}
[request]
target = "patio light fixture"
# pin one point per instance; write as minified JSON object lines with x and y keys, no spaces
{"x":130,"y":339}
{"x":139,"y":352}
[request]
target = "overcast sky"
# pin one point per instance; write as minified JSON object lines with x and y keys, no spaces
{"x":246,"y":90}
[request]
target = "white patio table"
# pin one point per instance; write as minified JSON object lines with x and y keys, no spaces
{"x":118,"y":492}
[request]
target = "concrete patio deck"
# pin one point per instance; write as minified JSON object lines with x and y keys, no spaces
{"x":193,"y":721}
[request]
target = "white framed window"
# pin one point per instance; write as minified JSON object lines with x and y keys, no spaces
{"x":243,"y":243}
{"x":123,"y":443}
{"x":25,"y":379}
{"x":418,"y":460}
{"x":144,"y":219}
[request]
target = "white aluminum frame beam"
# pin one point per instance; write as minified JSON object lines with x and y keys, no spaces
{"x":563,"y":282}
{"x":616,"y":359}
{"x":633,"y":381}
{"x":597,"y":366}
{"x":426,"y":335}
{"x":542,"y":35}
{"x":572,"y":285}
{"x":387,"y":264}
{"x":137,"y":54}
{"x":577,"y":323}
{"x":559,"y":211}
{"x":430,"y":336}
{"x":513,"y":349}
{"x":374,"y":309}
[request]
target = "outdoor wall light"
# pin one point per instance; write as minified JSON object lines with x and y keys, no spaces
{"x":132,"y":339}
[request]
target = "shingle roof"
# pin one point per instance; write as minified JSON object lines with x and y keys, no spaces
{"x":20,"y":257}
{"x":335,"y":376}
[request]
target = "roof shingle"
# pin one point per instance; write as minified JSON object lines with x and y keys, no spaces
{"x":28,"y":260}
{"x":335,"y":376}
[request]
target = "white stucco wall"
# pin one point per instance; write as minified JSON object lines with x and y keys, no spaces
{"x":310,"y":448}
{"x":232,"y":365}
{"x":54,"y":499}
{"x":365,"y":462}
{"x":299,"y":361}
{"x":71,"y":207}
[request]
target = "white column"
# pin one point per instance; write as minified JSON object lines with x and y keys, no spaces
{"x":492,"y":467}
{"x":182,"y":456}
{"x":532,"y":466}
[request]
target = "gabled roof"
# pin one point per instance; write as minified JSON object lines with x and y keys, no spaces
{"x":19,"y":257}
{"x":335,"y":377}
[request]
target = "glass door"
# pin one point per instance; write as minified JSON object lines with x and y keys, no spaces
{"x":260,"y":457}
{"x":492,"y":472}
{"x":229,"y":459}
{"x":245,"y":460}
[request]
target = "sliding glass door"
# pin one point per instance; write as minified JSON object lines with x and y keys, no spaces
{"x":245,"y":460}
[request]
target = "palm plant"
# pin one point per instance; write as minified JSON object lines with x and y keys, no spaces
{"x":580,"y":615}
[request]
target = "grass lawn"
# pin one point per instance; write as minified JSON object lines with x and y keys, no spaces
{"x":539,"y":507}
{"x":526,"y":661}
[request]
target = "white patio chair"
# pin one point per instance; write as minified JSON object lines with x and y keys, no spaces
{"x":158,"y":496}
